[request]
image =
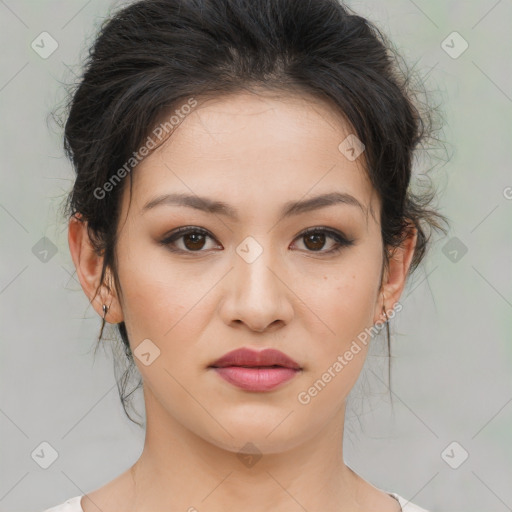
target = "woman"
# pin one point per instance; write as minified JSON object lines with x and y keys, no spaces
{"x":242,"y":213}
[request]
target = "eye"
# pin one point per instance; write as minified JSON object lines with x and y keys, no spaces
{"x":315,"y":239}
{"x":194,"y":239}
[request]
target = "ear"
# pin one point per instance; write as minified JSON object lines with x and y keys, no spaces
{"x":395,"y":276}
{"x":88,"y":266}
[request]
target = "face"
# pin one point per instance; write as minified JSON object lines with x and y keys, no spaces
{"x":247,"y":275}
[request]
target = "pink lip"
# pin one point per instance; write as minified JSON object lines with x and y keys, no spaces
{"x":256,"y":379}
{"x":256,"y":370}
{"x":249,"y":357}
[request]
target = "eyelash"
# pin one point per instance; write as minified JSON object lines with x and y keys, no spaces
{"x":340,"y":239}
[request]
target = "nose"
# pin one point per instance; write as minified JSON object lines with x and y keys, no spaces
{"x":257,"y":295}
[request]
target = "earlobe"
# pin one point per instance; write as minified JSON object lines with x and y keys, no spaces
{"x":88,"y":266}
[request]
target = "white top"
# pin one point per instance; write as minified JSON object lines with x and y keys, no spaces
{"x":73,"y":505}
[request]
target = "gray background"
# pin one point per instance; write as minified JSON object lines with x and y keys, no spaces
{"x":452,"y":349}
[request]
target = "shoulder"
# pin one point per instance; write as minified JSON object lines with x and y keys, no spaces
{"x":406,"y":505}
{"x":71,"y":505}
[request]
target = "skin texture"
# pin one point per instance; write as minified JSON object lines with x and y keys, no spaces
{"x":254,"y":152}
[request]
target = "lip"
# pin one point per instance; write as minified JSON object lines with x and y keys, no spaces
{"x":256,"y":370}
{"x":253,"y":358}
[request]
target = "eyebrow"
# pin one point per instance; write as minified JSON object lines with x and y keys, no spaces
{"x":290,"y":208}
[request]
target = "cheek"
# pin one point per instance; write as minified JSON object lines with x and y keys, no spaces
{"x":157,"y":294}
{"x":344,"y":298}
{"x":162,"y":306}
{"x":354,"y":302}
{"x":336,"y":358}
{"x":345,"y":303}
{"x":170,"y":305}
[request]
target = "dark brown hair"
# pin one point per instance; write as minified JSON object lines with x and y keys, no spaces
{"x":153,"y":55}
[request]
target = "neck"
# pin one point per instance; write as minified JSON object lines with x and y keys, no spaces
{"x":180,"y":470}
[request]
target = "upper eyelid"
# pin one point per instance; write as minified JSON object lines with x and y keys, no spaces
{"x":182,"y":231}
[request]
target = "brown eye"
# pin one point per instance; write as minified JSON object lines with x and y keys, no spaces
{"x":315,"y":239}
{"x":193,"y":240}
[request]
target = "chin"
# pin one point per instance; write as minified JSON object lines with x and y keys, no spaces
{"x":270,"y":437}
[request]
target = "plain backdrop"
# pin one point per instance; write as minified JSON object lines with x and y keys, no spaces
{"x":444,"y":443}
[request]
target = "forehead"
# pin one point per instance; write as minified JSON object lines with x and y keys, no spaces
{"x":255,"y":151}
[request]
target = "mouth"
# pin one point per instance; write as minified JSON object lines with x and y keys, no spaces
{"x":256,"y":378}
{"x":255,"y":371}
{"x":248,"y":366}
{"x":249,"y":358}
